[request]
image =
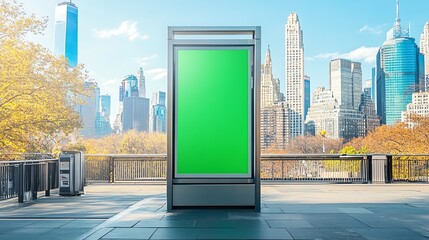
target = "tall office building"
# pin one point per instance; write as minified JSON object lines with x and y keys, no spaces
{"x":267,"y":81}
{"x":294,"y":67}
{"x":424,"y":49}
{"x":103,"y":127}
{"x":159,"y":113}
{"x":88,"y":111}
{"x":66,"y":32}
{"x":133,"y":109}
{"x":400,"y":72}
{"x":135,"y":114}
{"x":367,"y":107}
{"x":274,"y":111}
{"x":142,"y":83}
{"x":419,"y":106}
{"x":373,"y":85}
{"x":307,"y":97}
{"x":326,"y":113}
{"x":346,"y":82}
{"x":105,"y":106}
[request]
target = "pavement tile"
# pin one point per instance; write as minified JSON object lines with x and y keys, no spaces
{"x":48,"y":223}
{"x":165,"y":223}
{"x":289,"y":224}
{"x":390,"y":234}
{"x":336,"y":223}
{"x":175,"y":233}
{"x":310,"y":208}
{"x":7,"y":223}
{"x":322,"y":234}
{"x":236,"y":223}
{"x":129,"y":233}
{"x":354,"y":210}
{"x":82,"y":224}
{"x":271,"y":210}
{"x":376,"y":221}
{"x":121,"y":223}
{"x":99,"y":233}
{"x":241,"y":233}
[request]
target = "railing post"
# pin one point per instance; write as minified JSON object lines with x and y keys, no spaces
{"x":389,"y":169}
{"x":369,"y":159}
{"x":21,"y":183}
{"x":111,"y":169}
{"x":48,"y":172}
{"x":33,"y":181}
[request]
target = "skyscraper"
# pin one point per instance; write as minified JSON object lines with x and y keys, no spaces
{"x":400,"y":72}
{"x":142,"y":83}
{"x":66,"y":31}
{"x":274,"y":112}
{"x":294,"y":67}
{"x":88,"y":111}
{"x":307,"y":97}
{"x":159,"y":113}
{"x":424,"y":49}
{"x":135,"y":114}
{"x":418,"y":106}
{"x":367,"y":107}
{"x":133,"y":109}
{"x":346,"y":82}
{"x":327,"y":114}
{"x":103,"y":119}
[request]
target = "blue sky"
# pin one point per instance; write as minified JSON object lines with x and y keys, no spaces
{"x":117,"y":37}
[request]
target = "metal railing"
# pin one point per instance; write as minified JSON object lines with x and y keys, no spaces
{"x":410,"y":168}
{"x":25,"y":178}
{"x":315,"y":168}
{"x":125,"y":167}
{"x":322,"y":168}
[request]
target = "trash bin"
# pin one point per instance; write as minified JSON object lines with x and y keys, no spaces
{"x":72,"y":167}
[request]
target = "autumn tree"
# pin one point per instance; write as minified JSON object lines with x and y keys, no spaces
{"x":314,"y":144}
{"x":406,"y":138}
{"x":131,"y":142}
{"x":37,"y":89}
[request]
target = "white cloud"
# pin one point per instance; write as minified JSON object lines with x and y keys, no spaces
{"x":127,"y":28}
{"x":156,"y":73}
{"x":375,"y":30}
{"x":365,"y":54}
{"x":143,"y":61}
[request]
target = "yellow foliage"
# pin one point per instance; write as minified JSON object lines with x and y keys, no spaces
{"x":37,"y":89}
{"x":131,"y":142}
{"x":400,"y":138}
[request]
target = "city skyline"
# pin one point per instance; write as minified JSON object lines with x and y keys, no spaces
{"x":130,"y":35}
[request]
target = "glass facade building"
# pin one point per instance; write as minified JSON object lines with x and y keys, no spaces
{"x":400,"y":73}
{"x":66,"y":32}
{"x":159,"y":112}
{"x":307,"y":93}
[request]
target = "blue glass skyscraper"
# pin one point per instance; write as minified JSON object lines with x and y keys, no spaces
{"x":399,"y":73}
{"x":306,"y":95}
{"x":66,"y":29}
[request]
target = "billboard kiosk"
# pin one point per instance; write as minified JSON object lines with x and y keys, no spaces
{"x":213,"y":117}
{"x":71,"y":173}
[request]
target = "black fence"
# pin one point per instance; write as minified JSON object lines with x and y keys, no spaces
{"x":26,"y":178}
{"x":329,"y":168}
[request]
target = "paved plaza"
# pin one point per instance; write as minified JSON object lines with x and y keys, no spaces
{"x":138,"y":211}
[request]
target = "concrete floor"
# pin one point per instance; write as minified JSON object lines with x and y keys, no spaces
{"x":137,"y":211}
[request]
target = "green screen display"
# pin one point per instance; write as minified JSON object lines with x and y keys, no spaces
{"x":212,"y":110}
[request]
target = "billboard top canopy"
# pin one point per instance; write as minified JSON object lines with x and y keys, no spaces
{"x":252,"y":32}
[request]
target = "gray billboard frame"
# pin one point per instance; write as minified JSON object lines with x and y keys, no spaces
{"x":188,"y":192}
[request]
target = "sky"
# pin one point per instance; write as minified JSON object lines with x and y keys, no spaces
{"x":116,"y":38}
